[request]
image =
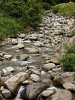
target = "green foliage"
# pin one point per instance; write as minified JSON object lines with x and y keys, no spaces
{"x":12,"y":7}
{"x":68,"y":59}
{"x":70,"y":48}
{"x":32,"y":13}
{"x":45,"y":5}
{"x":8,"y":26}
{"x":67,"y":9}
{"x":73,"y":33}
{"x":68,"y":62}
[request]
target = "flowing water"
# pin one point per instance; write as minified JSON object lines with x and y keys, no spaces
{"x":18,"y":97}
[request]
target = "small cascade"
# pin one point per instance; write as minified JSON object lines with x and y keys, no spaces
{"x":18,"y":97}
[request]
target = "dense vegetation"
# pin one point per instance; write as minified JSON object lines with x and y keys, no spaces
{"x":67,"y":9}
{"x":68,"y":59}
{"x":15,"y":14}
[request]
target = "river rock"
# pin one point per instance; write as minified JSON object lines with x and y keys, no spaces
{"x":57,"y":69}
{"x":34,"y":89}
{"x":21,"y":35}
{"x":3,"y":79}
{"x":14,"y":41}
{"x":20,"y":46}
{"x":33,"y":50}
{"x":33,"y":38}
{"x":23,"y":63}
{"x":7,"y":57}
{"x":35,"y":71}
{"x":24,"y":57}
{"x":47,"y":92}
{"x":6,"y":93}
{"x":72,"y":39}
{"x":38,"y":43}
{"x":8,"y":70}
{"x":69,"y":86}
{"x":62,"y":95}
{"x":35,"y":77}
{"x":66,"y":77}
{"x":45,"y":78}
{"x":14,"y":81}
{"x":49,"y":66}
{"x":55,"y":60}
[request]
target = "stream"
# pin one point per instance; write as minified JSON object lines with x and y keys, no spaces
{"x":39,"y":47}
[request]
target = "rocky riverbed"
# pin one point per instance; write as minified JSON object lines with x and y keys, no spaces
{"x":30,"y":67}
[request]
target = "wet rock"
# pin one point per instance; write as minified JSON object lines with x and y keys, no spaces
{"x":8,"y":70}
{"x":49,"y":66}
{"x":62,"y":95}
{"x":14,"y":81}
{"x":20,"y":46}
{"x":8,"y":57}
{"x":35,"y":77}
{"x":69,"y":86}
{"x":34,"y":89}
{"x":33,"y":50}
{"x":22,"y":63}
{"x":38,"y":43}
{"x":24,"y":57}
{"x":1,"y":97}
{"x":6,"y":93}
{"x":14,"y":41}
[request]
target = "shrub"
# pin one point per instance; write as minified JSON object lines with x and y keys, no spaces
{"x":32,"y":13}
{"x":8,"y":26}
{"x":12,"y":7}
{"x":67,"y":9}
{"x":70,"y":49}
{"x":46,"y":6}
{"x":68,"y":62}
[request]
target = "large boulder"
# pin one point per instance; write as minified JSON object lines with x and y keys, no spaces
{"x":34,"y":89}
{"x":67,"y":77}
{"x":62,"y":95}
{"x":14,"y":81}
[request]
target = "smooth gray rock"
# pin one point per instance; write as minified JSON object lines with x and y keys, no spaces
{"x":35,"y":77}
